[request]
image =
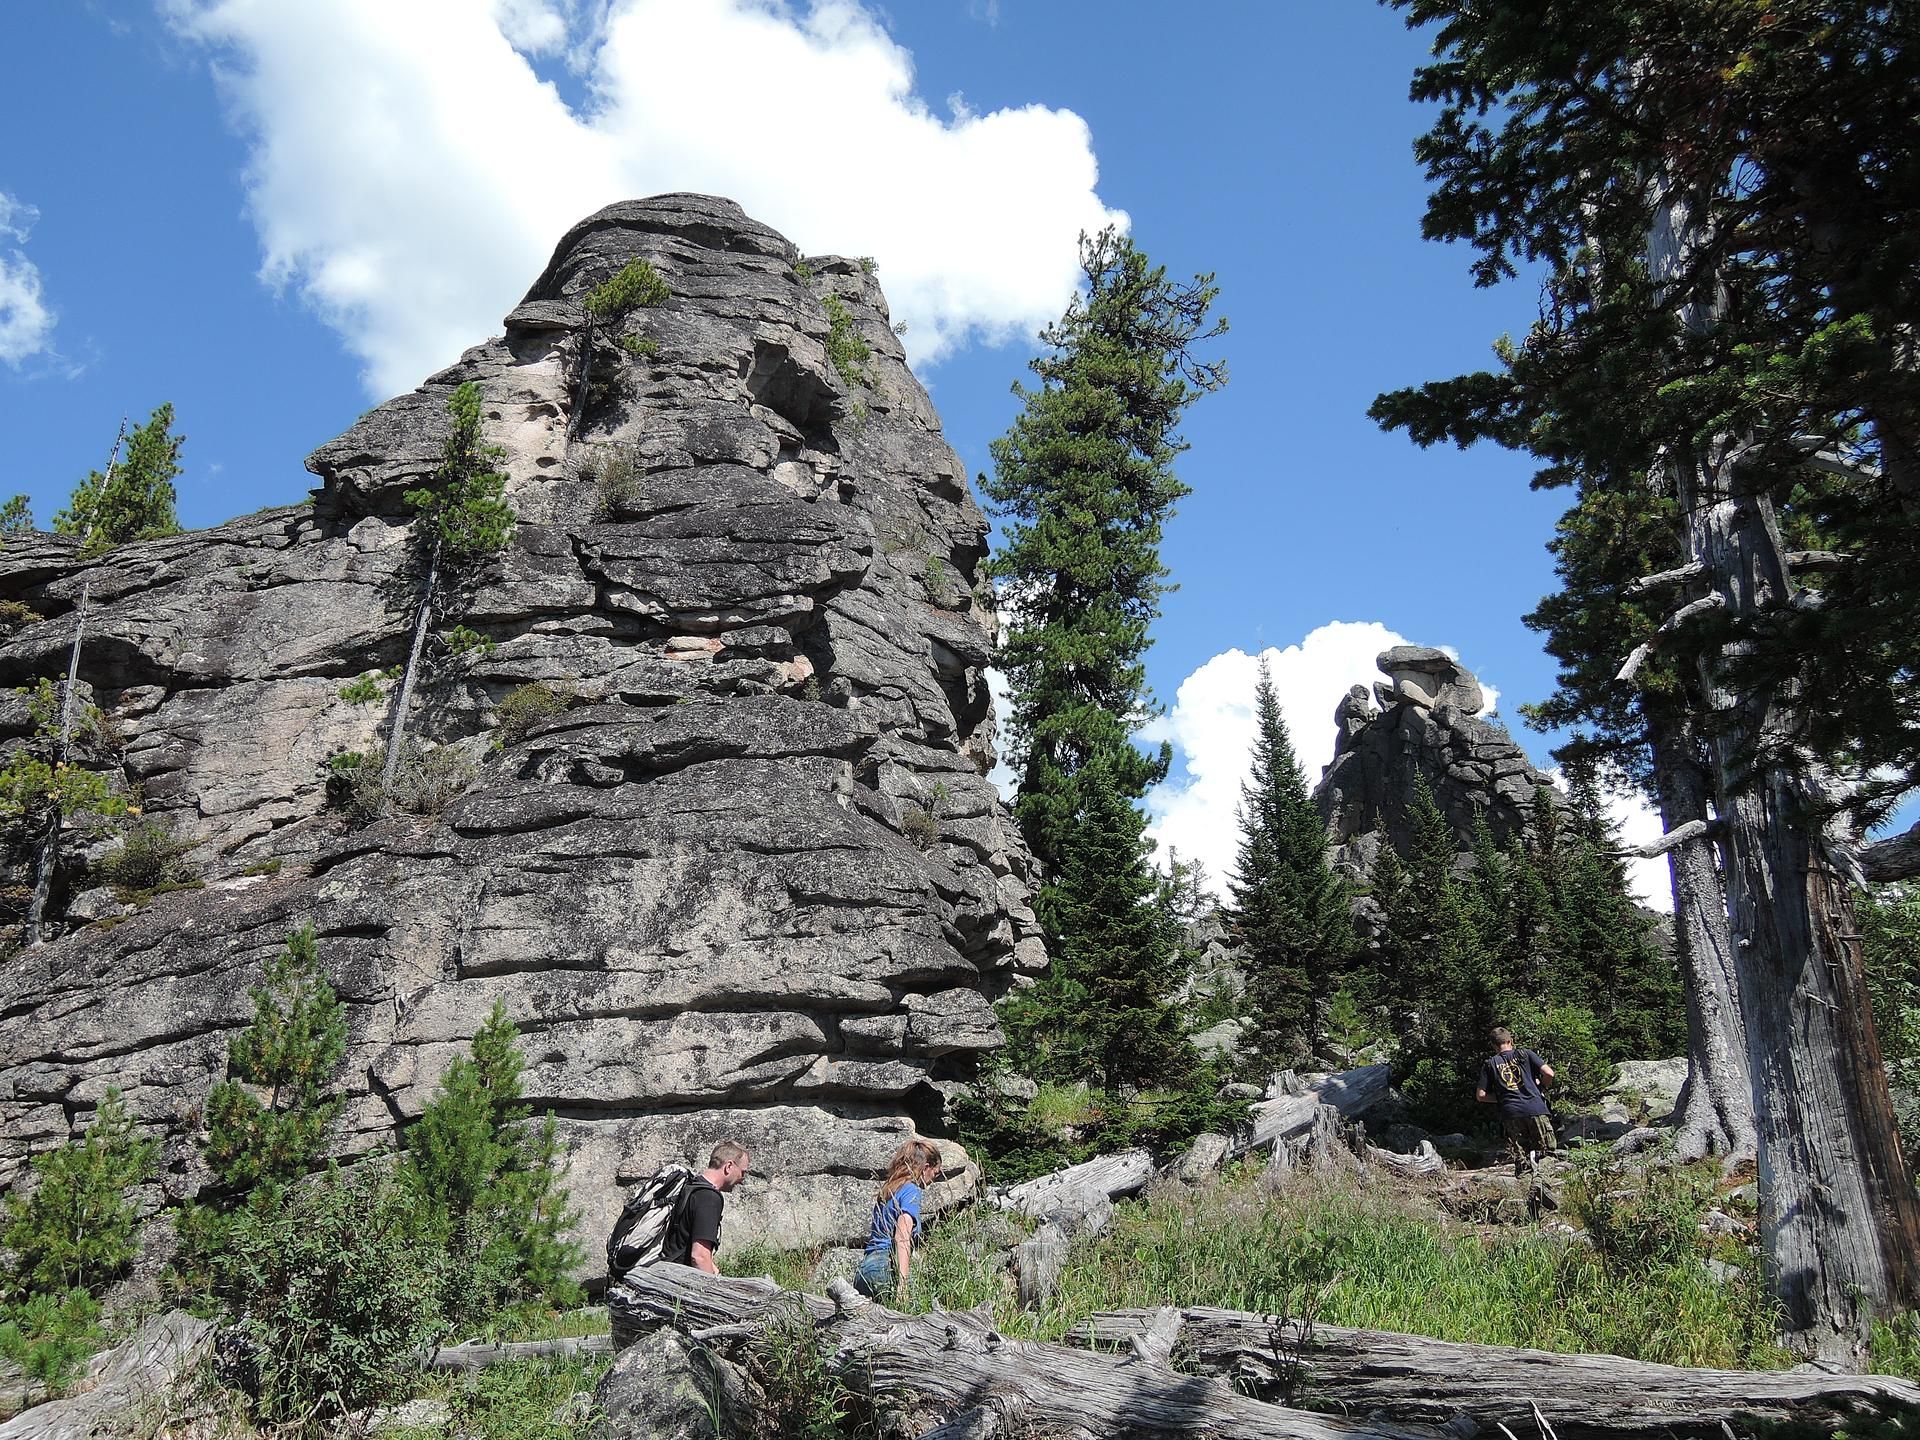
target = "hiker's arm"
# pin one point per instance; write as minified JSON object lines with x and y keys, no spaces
{"x":702,"y":1258}
{"x":902,"y":1246}
{"x":1546,"y":1071}
{"x":1483,"y":1097}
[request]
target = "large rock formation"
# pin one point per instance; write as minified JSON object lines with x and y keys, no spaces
{"x":1427,"y":724}
{"x":752,"y":883}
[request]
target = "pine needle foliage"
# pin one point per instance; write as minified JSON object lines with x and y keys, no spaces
{"x":268,"y":1120}
{"x":635,"y":286}
{"x":76,"y":1226}
{"x":137,"y":500}
{"x":493,"y":1180}
{"x":1290,"y":910}
{"x":461,"y":516}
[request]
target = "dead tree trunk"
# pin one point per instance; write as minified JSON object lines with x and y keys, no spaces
{"x":1840,"y":1220}
{"x":955,"y":1369}
{"x":1410,"y":1378}
{"x":1715,"y":1113}
{"x":397,"y":732}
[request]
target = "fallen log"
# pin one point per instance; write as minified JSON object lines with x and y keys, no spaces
{"x":953,"y":1374}
{"x":1583,"y":1397}
{"x":478,"y":1354}
{"x":1424,"y":1161}
{"x":1069,"y":1191}
{"x":121,"y":1384}
{"x":1349,"y":1093}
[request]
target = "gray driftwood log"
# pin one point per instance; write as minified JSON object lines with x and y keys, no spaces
{"x":478,"y":1354}
{"x":952,"y":1373}
{"x":121,"y":1384}
{"x":1583,"y":1397}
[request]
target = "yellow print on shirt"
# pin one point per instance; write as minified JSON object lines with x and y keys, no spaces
{"x":1508,"y":1073}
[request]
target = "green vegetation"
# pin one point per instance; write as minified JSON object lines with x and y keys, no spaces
{"x":492,"y":1183}
{"x":846,"y":350}
{"x":288,"y":1055}
{"x":133,"y":500}
{"x":460,"y":524}
{"x":71,"y":1231}
{"x":44,"y":791}
{"x":1289,"y":909}
{"x":462,"y":640}
{"x":149,"y":859}
{"x":640,"y":347}
{"x":525,"y":1400}
{"x":637,"y":285}
{"x":1890,"y":930}
{"x":525,"y":706}
{"x":919,"y":827}
{"x":425,"y":781}
{"x":16,"y":516}
{"x":362,"y":691}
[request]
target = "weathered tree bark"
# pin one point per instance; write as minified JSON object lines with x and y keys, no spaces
{"x":954,"y":1368}
{"x":1410,"y":1378}
{"x":1350,"y":1093}
{"x":1840,"y":1220}
{"x":1108,"y":1176}
{"x":397,"y":732}
{"x":478,"y":1354}
{"x":1715,"y":1113}
{"x":122,"y":1384}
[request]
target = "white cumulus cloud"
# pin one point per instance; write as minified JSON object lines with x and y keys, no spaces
{"x":26,"y":324}
{"x":410,"y":170}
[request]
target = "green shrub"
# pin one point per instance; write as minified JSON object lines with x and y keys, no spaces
{"x":331,"y":1286}
{"x":1564,"y":1036}
{"x":615,"y":472}
{"x":523,"y":707}
{"x":637,"y":285}
{"x":76,"y":1226}
{"x":1639,"y":1221}
{"x":640,"y":347}
{"x":493,"y":1183}
{"x":802,"y":271}
{"x":847,"y":351}
{"x":804,"y":1399}
{"x":941,"y":586}
{"x":287,"y":1055}
{"x":148,"y":858}
{"x":15,"y":617}
{"x":352,"y":782}
{"x":463,"y":640}
{"x":49,"y":1336}
{"x":363,"y":691}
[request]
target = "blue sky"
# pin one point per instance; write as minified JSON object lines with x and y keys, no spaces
{"x":218,"y":218}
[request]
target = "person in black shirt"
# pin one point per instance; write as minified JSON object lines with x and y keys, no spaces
{"x":694,"y":1235}
{"x":1511,"y":1079}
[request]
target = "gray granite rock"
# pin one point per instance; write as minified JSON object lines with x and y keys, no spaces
{"x":754,"y":587}
{"x":667,"y":1387}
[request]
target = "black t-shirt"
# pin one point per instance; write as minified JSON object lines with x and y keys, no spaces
{"x":698,"y":1219}
{"x":1512,"y":1078}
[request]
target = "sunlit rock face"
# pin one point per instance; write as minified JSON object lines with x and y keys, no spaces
{"x":750,"y":883}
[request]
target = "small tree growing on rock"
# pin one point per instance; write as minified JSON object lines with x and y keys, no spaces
{"x":460,"y":522}
{"x":75,"y":1227}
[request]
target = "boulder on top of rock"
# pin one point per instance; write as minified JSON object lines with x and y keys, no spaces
{"x":1421,"y":675}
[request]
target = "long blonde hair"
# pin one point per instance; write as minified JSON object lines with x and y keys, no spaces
{"x":915,"y":1160}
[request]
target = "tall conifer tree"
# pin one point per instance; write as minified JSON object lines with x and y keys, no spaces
{"x":1290,"y":909}
{"x":1084,"y":482}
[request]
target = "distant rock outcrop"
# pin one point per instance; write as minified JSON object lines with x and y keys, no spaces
{"x":750,"y":882}
{"x":1428,"y":724}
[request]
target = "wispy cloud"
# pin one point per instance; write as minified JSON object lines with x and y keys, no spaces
{"x":26,"y":323}
{"x":411,"y":171}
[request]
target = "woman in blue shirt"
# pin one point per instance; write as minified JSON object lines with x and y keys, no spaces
{"x":896,"y":1219}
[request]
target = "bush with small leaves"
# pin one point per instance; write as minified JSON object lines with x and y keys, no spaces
{"x":640,"y":347}
{"x":75,"y":1227}
{"x":332,"y":1288}
{"x":15,"y":617}
{"x":523,"y":707}
{"x":363,"y":691}
{"x":352,"y":782}
{"x":847,"y":351}
{"x":150,"y":858}
{"x":637,"y":285}
{"x":615,"y":473}
{"x":464,"y":641}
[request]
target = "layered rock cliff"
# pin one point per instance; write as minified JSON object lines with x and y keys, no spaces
{"x":751,"y":882}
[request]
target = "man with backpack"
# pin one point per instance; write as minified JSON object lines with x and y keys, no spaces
{"x":674,"y":1216}
{"x":1511,"y":1079}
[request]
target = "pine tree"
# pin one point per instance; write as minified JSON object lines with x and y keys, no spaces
{"x":16,"y":516}
{"x":134,"y":500}
{"x":494,"y":1180}
{"x":76,"y":1226}
{"x":1290,"y":910}
{"x":1084,"y":482}
{"x":267,"y":1122}
{"x":460,"y":522}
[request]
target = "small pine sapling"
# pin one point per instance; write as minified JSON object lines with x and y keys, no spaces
{"x":76,"y":1227}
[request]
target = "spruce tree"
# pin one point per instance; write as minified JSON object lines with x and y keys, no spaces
{"x":1290,"y":910}
{"x":133,"y":500}
{"x":460,"y":522}
{"x":267,"y":1122}
{"x":1084,"y":484}
{"x":494,"y":1180}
